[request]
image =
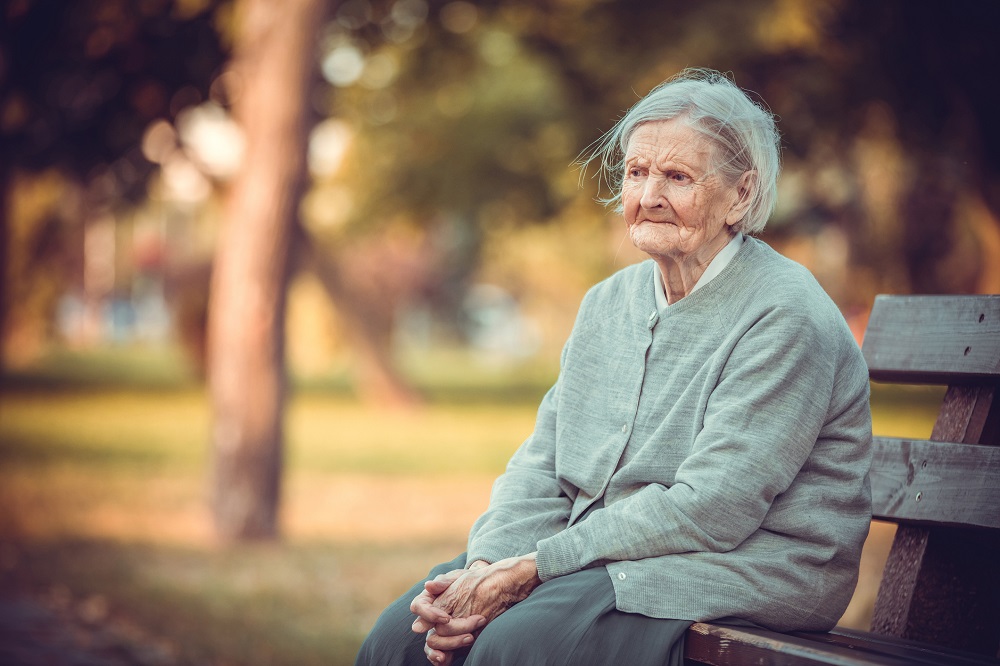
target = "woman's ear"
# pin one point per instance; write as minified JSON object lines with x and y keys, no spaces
{"x":745,"y":189}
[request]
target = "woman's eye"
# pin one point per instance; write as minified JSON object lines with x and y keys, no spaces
{"x":635,"y":172}
{"x":679,"y":177}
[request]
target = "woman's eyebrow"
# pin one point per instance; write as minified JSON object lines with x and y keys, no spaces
{"x":674,"y":164}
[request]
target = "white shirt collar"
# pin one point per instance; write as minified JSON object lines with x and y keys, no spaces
{"x":719,"y":262}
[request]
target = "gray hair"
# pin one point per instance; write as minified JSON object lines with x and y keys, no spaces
{"x":743,"y":133}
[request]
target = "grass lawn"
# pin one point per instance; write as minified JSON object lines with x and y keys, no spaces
{"x":103,"y":488}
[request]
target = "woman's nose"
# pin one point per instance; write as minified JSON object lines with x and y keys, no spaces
{"x":653,"y":193}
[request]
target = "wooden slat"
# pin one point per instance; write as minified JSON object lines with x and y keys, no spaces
{"x":915,"y":651}
{"x":717,"y":645}
{"x":933,"y":339}
{"x":936,"y":483}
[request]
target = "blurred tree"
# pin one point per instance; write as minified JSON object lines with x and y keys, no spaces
{"x":274,"y":58}
{"x":79,"y":83}
{"x":449,"y":145}
{"x":462,"y":119}
{"x":894,"y":100}
{"x":884,"y":111}
{"x":444,"y":144}
{"x":929,"y":71}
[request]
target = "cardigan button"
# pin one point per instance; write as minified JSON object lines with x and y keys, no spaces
{"x":621,"y":575}
{"x":624,"y":427}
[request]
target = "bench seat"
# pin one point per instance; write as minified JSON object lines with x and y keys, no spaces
{"x":719,"y":645}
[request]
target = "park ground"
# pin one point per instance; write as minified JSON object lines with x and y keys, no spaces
{"x":106,"y":550}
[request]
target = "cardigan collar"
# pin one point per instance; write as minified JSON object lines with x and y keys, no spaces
{"x":719,"y":262}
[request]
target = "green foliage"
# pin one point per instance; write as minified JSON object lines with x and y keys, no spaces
{"x":463,"y":119}
{"x":82,"y":80}
{"x":862,"y":92}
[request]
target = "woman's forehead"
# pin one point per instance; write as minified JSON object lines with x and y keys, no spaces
{"x":673,"y":139}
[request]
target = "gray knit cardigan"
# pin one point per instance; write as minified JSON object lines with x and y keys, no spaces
{"x":729,"y":440}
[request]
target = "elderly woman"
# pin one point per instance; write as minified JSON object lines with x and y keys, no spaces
{"x":704,"y":453}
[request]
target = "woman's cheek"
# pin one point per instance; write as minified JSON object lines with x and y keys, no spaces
{"x":629,"y":208}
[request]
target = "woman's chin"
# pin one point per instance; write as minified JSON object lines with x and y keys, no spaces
{"x":654,"y":239}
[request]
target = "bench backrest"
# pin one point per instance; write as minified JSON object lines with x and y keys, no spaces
{"x":941,"y":583}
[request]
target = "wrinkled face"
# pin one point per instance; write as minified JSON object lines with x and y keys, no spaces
{"x":674,"y":205}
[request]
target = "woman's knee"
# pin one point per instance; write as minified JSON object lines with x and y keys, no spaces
{"x":546,"y":627}
{"x":391,"y":642}
{"x":510,"y":640}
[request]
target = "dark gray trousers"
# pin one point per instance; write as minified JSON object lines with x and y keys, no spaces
{"x":566,"y":621}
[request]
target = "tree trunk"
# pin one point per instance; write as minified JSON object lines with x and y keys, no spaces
{"x":6,"y":182}
{"x":275,"y":60}
{"x":367,"y":329}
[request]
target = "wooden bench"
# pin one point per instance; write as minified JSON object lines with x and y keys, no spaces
{"x":939,"y":601}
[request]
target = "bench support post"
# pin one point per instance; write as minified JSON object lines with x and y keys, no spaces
{"x":939,"y":585}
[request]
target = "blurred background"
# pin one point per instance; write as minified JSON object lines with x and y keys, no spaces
{"x":283,"y":283}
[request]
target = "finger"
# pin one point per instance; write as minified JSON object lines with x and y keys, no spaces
{"x":448,"y":643}
{"x":422,"y":598}
{"x":442,"y":582}
{"x":436,"y":587}
{"x":460,"y":626}
{"x":433,"y":656}
{"x":421,"y":626}
{"x":425,"y":621}
{"x":423,"y":607}
{"x":437,"y":656}
{"x":450,"y":576}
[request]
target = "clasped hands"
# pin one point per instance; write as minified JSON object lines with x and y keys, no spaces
{"x":455,"y":606}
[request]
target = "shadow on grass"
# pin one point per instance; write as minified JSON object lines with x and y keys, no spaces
{"x":253,"y":605}
{"x":118,"y":368}
{"x":37,"y":450}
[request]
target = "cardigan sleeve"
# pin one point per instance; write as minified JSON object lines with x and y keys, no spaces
{"x":760,"y":425}
{"x":527,"y":502}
